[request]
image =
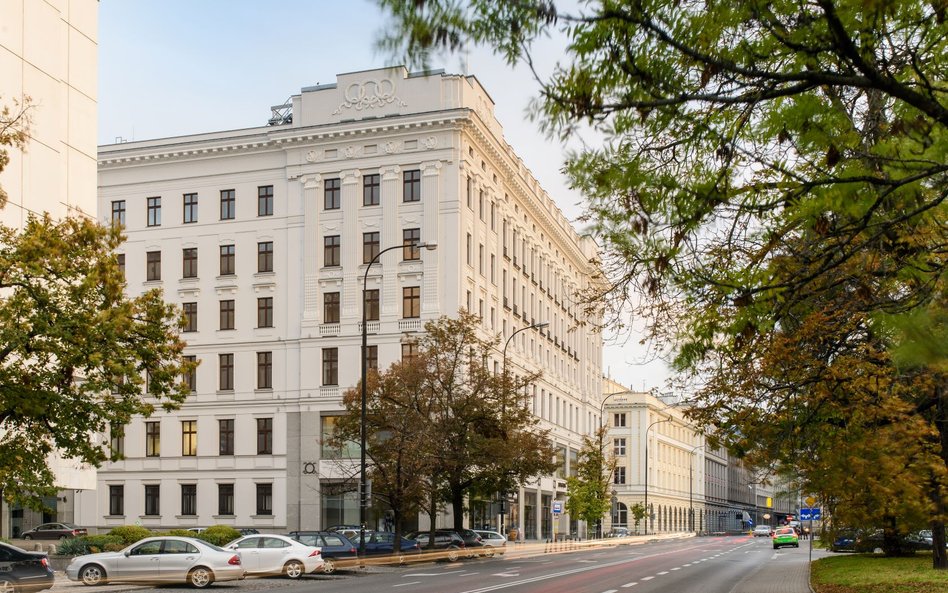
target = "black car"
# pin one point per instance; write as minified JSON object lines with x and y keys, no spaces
{"x":54,"y":531}
{"x":22,"y":571}
{"x":335,"y":548}
{"x":447,"y":541}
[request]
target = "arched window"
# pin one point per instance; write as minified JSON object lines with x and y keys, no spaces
{"x":621,"y":516}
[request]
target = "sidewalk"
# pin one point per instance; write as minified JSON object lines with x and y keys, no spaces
{"x":788,"y":573}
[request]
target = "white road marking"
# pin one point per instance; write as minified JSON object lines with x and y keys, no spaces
{"x":587,"y":561}
{"x":689,"y":564}
{"x":403,"y":584}
{"x":774,"y":557}
{"x":677,"y":568}
{"x":506,"y":574}
{"x":428,"y":574}
{"x":467,"y":574}
{"x":611,"y":591}
{"x":663,"y":572}
{"x":647,"y":578}
{"x":630,"y":584}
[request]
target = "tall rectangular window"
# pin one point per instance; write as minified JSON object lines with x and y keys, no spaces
{"x":265,"y":256}
{"x":409,"y":349}
{"x":264,"y":436}
{"x":332,"y":195}
{"x":618,"y":419}
{"x":225,"y":499}
{"x":190,"y":207}
{"x":154,"y":211}
{"x":411,"y":238}
{"x":153,"y":265}
{"x":226,"y":363}
{"x":370,"y":190}
{"x":265,"y":312}
{"x":371,"y":305}
{"x":480,"y":258}
{"x":117,"y":441}
{"x":116,"y":500}
{"x":228,"y":260}
{"x":331,"y":248}
{"x":372,"y":357}
{"x":470,"y":193}
{"x":118,"y":212}
{"x":120,"y":258}
{"x":228,"y":204}
{"x":152,"y":439}
{"x":189,"y":438}
{"x":330,"y":307}
{"x":190,"y":379}
{"x":225,"y":431}
{"x":264,"y":499}
{"x":411,"y":186}
{"x":190,"y":316}
{"x":189,"y":264}
{"x":189,"y":499}
{"x":264,"y":370}
{"x":370,"y":247}
{"x":265,"y":200}
{"x":480,"y":204}
{"x":411,"y":302}
{"x":152,"y":499}
{"x":618,"y":447}
{"x":469,"y":250}
{"x":227,"y":314}
{"x":619,"y":476}
{"x":330,"y":366}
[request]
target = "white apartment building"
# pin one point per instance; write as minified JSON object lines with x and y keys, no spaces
{"x":262,"y":235}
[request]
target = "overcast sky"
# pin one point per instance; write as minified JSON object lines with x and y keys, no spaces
{"x":172,"y":67}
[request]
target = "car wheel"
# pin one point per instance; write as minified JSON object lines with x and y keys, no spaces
{"x":329,"y":566}
{"x":796,"y":545}
{"x":27,"y":537}
{"x":293,"y":569}
{"x":200,"y":577}
{"x":452,"y":555}
{"x":776,"y":547}
{"x":92,"y":575}
{"x":489,"y":551}
{"x":7,"y":586}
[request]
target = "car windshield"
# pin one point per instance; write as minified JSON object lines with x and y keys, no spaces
{"x":786,"y":531}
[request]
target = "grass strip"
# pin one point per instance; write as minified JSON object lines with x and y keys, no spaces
{"x":869,"y":573}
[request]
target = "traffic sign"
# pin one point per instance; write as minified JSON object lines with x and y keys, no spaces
{"x":557,"y":507}
{"x":810,"y":514}
{"x":810,"y":501}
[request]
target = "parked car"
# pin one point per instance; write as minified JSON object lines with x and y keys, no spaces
{"x":763,"y":531}
{"x":334,"y":548}
{"x":446,"y":545}
{"x":382,"y":543}
{"x":276,"y":554}
{"x":619,"y":532}
{"x":346,"y":528}
{"x":873,"y":542}
{"x":493,"y":542}
{"x":844,"y":540}
{"x":22,"y":571}
{"x":247,"y":531}
{"x":54,"y":531}
{"x":785,"y":536}
{"x":163,"y":559}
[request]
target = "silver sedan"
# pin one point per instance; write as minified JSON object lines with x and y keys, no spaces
{"x":162,"y":560}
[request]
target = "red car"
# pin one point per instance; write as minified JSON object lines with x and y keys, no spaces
{"x":54,"y":531}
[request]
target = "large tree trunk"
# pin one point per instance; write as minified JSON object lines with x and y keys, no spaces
{"x":457,"y":506}
{"x":939,"y":553}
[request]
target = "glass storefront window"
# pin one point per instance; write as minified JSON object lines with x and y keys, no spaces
{"x":339,"y":508}
{"x":327,"y":426}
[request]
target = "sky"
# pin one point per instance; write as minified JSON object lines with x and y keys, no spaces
{"x":173,"y":67}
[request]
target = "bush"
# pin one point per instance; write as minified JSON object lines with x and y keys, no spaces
{"x":218,"y":534}
{"x":89,"y":544}
{"x":131,"y":533}
{"x":179,"y":533}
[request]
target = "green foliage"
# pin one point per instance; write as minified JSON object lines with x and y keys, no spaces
{"x":638,"y":513}
{"x":129,"y":534}
{"x":14,"y":132}
{"x":89,"y":544}
{"x":74,"y":350}
{"x":589,"y":491}
{"x":218,"y":534}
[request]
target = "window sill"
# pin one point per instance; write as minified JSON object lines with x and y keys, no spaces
{"x":270,"y":516}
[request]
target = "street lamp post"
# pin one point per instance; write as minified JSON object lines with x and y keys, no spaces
{"x":503,"y":408}
{"x":602,"y":411}
{"x":363,"y":482}
{"x":691,"y":489}
{"x":648,"y":512}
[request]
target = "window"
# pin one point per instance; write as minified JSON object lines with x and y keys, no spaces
{"x":370,"y":247}
{"x":189,"y":265}
{"x":332,"y":195}
{"x":371,"y":305}
{"x":227,"y":314}
{"x":618,"y":420}
{"x":189,"y":438}
{"x":619,"y":476}
{"x":493,"y":216}
{"x":225,"y":431}
{"x":189,"y":499}
{"x":470,"y":192}
{"x":152,"y":439}
{"x":331,"y":307}
{"x":264,"y":436}
{"x":264,"y":370}
{"x":265,"y":312}
{"x":264,"y":499}
{"x":411,"y":186}
{"x":116,"y":500}
{"x":118,"y":216}
{"x":493,"y":269}
{"x":480,"y":258}
{"x":154,"y":211}
{"x":372,"y":357}
{"x":117,"y":441}
{"x":618,"y":447}
{"x":120,"y":257}
{"x":190,"y":317}
{"x":228,"y":257}
{"x":480,"y":204}
{"x":330,"y":366}
{"x":190,"y":208}
{"x":225,"y":499}
{"x":409,"y":349}
{"x":265,"y":200}
{"x":411,"y":302}
{"x":331,"y":250}
{"x":469,"y":247}
{"x":370,"y":190}
{"x":265,"y":256}
{"x":411,"y":238}
{"x":226,"y":362}
{"x":190,"y":379}
{"x":153,"y":265}
{"x":152,"y":499}
{"x":228,"y":204}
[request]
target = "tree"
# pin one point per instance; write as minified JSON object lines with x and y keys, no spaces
{"x":76,"y":354}
{"x":14,"y":131}
{"x":762,"y":163}
{"x":638,"y":513}
{"x":589,"y":491}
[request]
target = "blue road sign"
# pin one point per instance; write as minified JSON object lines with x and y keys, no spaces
{"x":810,"y":514}
{"x":557,"y":507}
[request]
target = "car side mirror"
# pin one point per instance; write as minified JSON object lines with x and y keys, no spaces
{"x":128,"y":553}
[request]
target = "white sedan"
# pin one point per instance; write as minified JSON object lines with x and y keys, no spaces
{"x":159,"y":560}
{"x":276,"y":554}
{"x":493,"y":542}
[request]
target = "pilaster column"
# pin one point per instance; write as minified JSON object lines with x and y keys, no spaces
{"x":390,"y":294}
{"x":312,"y":184}
{"x":431,"y":197}
{"x":351,"y":256}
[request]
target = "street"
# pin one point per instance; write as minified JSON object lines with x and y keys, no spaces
{"x":737,"y":564}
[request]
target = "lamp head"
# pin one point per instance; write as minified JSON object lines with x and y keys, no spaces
{"x":541,"y":325}
{"x":430,"y":246}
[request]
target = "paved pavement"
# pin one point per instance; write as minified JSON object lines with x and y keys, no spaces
{"x":782,"y":574}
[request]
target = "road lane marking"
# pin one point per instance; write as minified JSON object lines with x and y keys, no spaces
{"x":587,"y":561}
{"x":429,"y":574}
{"x":661,"y":573}
{"x":677,"y":568}
{"x":403,"y":584}
{"x":467,"y":574}
{"x":689,"y":564}
{"x":506,"y":574}
{"x":611,"y":591}
{"x":647,"y":578}
{"x":630,"y":585}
